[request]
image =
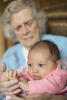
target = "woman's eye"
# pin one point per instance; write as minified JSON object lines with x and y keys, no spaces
{"x":30,"y":65}
{"x":18,"y":27}
{"x":29,"y":22}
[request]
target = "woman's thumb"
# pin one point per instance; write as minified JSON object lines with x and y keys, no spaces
{"x":3,"y":67}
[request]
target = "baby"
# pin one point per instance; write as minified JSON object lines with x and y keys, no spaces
{"x":45,"y":74}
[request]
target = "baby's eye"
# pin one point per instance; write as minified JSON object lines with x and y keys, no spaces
{"x":41,"y":65}
{"x":30,"y":65}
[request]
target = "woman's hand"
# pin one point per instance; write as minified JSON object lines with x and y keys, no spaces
{"x":8,"y":87}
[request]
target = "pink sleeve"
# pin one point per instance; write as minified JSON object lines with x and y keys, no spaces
{"x":53,"y":83}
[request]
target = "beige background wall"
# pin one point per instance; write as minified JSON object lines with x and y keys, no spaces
{"x":2,"y":38}
{"x":2,"y":49}
{"x":1,"y":32}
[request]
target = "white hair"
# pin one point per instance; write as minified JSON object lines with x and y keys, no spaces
{"x":14,"y":7}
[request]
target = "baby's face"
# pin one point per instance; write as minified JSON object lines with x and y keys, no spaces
{"x":40,"y":64}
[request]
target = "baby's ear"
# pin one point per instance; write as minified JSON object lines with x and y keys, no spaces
{"x":58,"y":63}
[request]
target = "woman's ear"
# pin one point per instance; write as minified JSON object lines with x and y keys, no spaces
{"x":58,"y":63}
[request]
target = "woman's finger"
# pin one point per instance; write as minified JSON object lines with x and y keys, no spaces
{"x":13,"y":88}
{"x":9,"y":93}
{"x":9,"y":87}
{"x":3,"y":68}
{"x":7,"y":84}
{"x":15,"y":74}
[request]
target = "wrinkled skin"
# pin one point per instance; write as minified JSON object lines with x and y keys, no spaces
{"x":8,"y":87}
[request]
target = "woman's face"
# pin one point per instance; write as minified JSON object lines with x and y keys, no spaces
{"x":26,"y":27}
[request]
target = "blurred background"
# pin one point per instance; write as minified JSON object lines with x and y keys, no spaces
{"x":56,"y":12}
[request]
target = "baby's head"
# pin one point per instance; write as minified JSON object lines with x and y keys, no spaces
{"x":43,"y":58}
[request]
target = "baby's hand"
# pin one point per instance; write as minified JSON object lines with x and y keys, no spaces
{"x":23,"y":84}
{"x":8,"y":75}
{"x":22,"y":79}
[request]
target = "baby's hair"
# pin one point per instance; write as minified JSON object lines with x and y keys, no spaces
{"x":54,"y":51}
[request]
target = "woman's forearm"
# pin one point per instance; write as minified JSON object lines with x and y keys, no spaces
{"x":40,"y":97}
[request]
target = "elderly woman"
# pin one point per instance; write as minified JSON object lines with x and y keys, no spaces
{"x":24,"y":22}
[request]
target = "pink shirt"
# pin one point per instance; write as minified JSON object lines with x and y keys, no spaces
{"x":53,"y":83}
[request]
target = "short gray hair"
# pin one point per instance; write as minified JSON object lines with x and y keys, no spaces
{"x":14,"y":7}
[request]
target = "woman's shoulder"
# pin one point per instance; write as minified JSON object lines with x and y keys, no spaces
{"x":11,"y":56}
{"x":60,"y":41}
{"x":57,"y":39}
{"x":14,"y":48}
{"x":53,"y":37}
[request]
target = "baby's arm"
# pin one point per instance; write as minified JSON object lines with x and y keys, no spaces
{"x":53,"y":84}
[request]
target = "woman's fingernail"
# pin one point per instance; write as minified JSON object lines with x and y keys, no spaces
{"x":15,"y":80}
{"x":19,"y":90}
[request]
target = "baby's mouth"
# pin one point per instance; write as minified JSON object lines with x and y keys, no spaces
{"x":36,"y":78}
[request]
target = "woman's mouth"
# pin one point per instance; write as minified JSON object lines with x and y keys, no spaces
{"x":28,"y":38}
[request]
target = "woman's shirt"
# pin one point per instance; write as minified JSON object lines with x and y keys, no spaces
{"x":14,"y":56}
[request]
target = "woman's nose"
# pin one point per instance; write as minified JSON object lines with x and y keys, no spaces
{"x":25,"y":30}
